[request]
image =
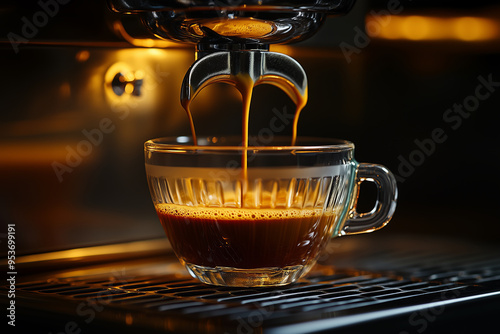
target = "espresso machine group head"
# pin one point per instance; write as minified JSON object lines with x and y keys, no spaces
{"x":232,"y":38}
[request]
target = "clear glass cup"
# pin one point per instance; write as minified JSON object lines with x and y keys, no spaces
{"x":260,"y":216}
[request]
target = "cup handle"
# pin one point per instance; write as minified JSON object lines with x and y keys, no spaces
{"x":385,"y":205}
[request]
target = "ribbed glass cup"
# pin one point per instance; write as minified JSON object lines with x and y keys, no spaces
{"x":259,"y":216}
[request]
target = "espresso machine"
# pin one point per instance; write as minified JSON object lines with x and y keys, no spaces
{"x":85,"y":83}
{"x":232,"y":40}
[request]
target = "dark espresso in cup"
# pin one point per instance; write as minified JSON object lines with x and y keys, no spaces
{"x":245,"y":238}
{"x":268,"y":228}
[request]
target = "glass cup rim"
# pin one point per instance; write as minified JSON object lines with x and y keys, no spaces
{"x":216,"y":144}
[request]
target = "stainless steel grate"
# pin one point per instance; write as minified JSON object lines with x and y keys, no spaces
{"x":310,"y":299}
{"x":384,"y":281}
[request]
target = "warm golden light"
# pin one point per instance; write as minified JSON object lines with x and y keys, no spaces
{"x":129,"y":320}
{"x":472,"y":28}
{"x":82,"y":56}
{"x":139,"y":75}
{"x":142,"y":42}
{"x":241,"y":27}
{"x":129,"y":88}
{"x":129,"y":76}
{"x":416,"y":27}
{"x":32,"y":154}
{"x":134,"y":79}
{"x":419,"y":28}
{"x":282,"y":48}
{"x":104,"y":251}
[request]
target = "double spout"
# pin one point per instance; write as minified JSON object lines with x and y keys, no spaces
{"x":250,"y":66}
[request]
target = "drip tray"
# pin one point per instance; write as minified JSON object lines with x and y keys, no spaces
{"x":399,"y":290}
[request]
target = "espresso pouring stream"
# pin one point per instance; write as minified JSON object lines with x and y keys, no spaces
{"x":245,"y":84}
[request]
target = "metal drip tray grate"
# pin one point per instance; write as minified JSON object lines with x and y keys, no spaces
{"x":385,"y":281}
{"x":185,"y":300}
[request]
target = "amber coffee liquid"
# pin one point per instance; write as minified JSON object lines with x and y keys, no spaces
{"x":240,"y":237}
{"x":245,"y":238}
{"x":245,"y":85}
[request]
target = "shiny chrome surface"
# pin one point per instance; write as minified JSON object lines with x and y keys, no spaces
{"x":257,"y":65}
{"x":233,"y":22}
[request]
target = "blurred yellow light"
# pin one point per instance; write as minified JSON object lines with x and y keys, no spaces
{"x":141,"y":42}
{"x":82,"y":56}
{"x":129,"y":76}
{"x":32,"y":153}
{"x":281,"y":48}
{"x":416,"y":27}
{"x":146,"y":42}
{"x":384,"y":32}
{"x":468,"y":28}
{"x":240,"y":27}
{"x":139,"y":75}
{"x":420,"y":28}
{"x":472,"y":28}
{"x":129,"y":88}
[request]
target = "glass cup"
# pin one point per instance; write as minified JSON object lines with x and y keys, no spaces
{"x":260,"y":216}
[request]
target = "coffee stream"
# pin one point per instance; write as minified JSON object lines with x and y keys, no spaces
{"x":245,"y":85}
